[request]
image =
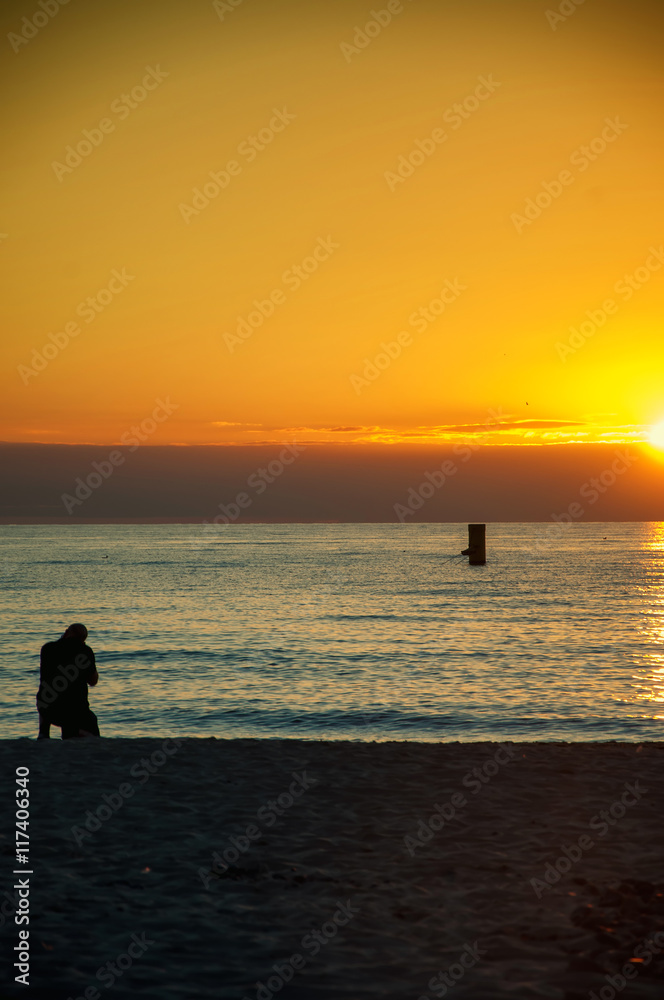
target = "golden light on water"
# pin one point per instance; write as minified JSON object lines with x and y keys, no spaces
{"x":649,"y":681}
{"x":651,"y":686}
{"x":655,"y":543}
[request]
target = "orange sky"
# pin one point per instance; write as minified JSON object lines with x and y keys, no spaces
{"x":417,"y":306}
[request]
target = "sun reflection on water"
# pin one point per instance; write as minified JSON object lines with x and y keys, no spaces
{"x":649,"y":680}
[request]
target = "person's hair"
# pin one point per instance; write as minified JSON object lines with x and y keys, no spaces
{"x":77,"y":631}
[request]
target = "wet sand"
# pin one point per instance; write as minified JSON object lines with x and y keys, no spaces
{"x":303,"y":870}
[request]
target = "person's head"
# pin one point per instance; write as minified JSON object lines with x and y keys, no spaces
{"x":76,"y":631}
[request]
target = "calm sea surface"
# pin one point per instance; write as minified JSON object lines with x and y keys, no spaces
{"x":363,"y":632}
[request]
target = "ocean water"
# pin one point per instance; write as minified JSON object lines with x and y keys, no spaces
{"x":345,"y":631}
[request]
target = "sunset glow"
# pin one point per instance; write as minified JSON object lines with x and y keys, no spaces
{"x":656,"y":436}
{"x":284,"y":231}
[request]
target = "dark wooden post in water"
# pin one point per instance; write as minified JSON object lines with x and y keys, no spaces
{"x":476,"y":550}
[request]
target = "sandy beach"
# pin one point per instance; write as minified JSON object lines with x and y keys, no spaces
{"x":251,"y":869}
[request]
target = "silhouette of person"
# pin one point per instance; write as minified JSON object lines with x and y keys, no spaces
{"x":67,"y":666}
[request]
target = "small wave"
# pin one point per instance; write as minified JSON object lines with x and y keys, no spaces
{"x":361,"y":618}
{"x":166,"y":654}
{"x":66,"y":562}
